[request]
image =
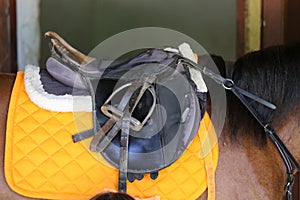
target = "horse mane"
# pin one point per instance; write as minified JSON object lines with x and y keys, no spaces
{"x":272,"y":74}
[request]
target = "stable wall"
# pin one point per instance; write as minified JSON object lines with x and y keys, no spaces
{"x":85,"y":23}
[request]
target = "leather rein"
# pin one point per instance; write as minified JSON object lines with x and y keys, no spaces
{"x":228,"y":84}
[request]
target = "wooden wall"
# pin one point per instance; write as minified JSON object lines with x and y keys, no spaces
{"x":8,"y":48}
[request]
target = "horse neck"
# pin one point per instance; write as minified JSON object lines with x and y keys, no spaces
{"x":288,"y":131}
{"x":248,"y":171}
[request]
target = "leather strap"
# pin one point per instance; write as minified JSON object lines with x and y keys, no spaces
{"x":138,"y":93}
{"x":113,"y":129}
{"x":83,"y":135}
{"x":100,"y":142}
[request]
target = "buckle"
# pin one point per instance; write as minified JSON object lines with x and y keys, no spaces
{"x":289,"y":186}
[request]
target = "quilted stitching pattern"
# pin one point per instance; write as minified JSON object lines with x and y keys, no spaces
{"x":41,"y":160}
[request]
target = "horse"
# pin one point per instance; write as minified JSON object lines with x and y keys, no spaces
{"x":249,"y":165}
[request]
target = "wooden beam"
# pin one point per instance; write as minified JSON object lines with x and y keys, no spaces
{"x":273,"y":13}
{"x":240,"y":19}
{"x":253,"y":25}
{"x":8,"y":47}
{"x":292,"y":21}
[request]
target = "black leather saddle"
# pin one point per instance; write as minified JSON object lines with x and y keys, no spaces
{"x":146,"y":110}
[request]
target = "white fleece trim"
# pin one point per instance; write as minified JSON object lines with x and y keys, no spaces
{"x":196,"y":75}
{"x":63,"y":103}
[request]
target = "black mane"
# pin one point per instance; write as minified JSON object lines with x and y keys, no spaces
{"x":274,"y":75}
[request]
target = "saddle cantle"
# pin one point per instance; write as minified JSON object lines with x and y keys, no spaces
{"x":146,"y":110}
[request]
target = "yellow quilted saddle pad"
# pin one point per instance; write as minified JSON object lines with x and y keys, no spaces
{"x":41,"y":160}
